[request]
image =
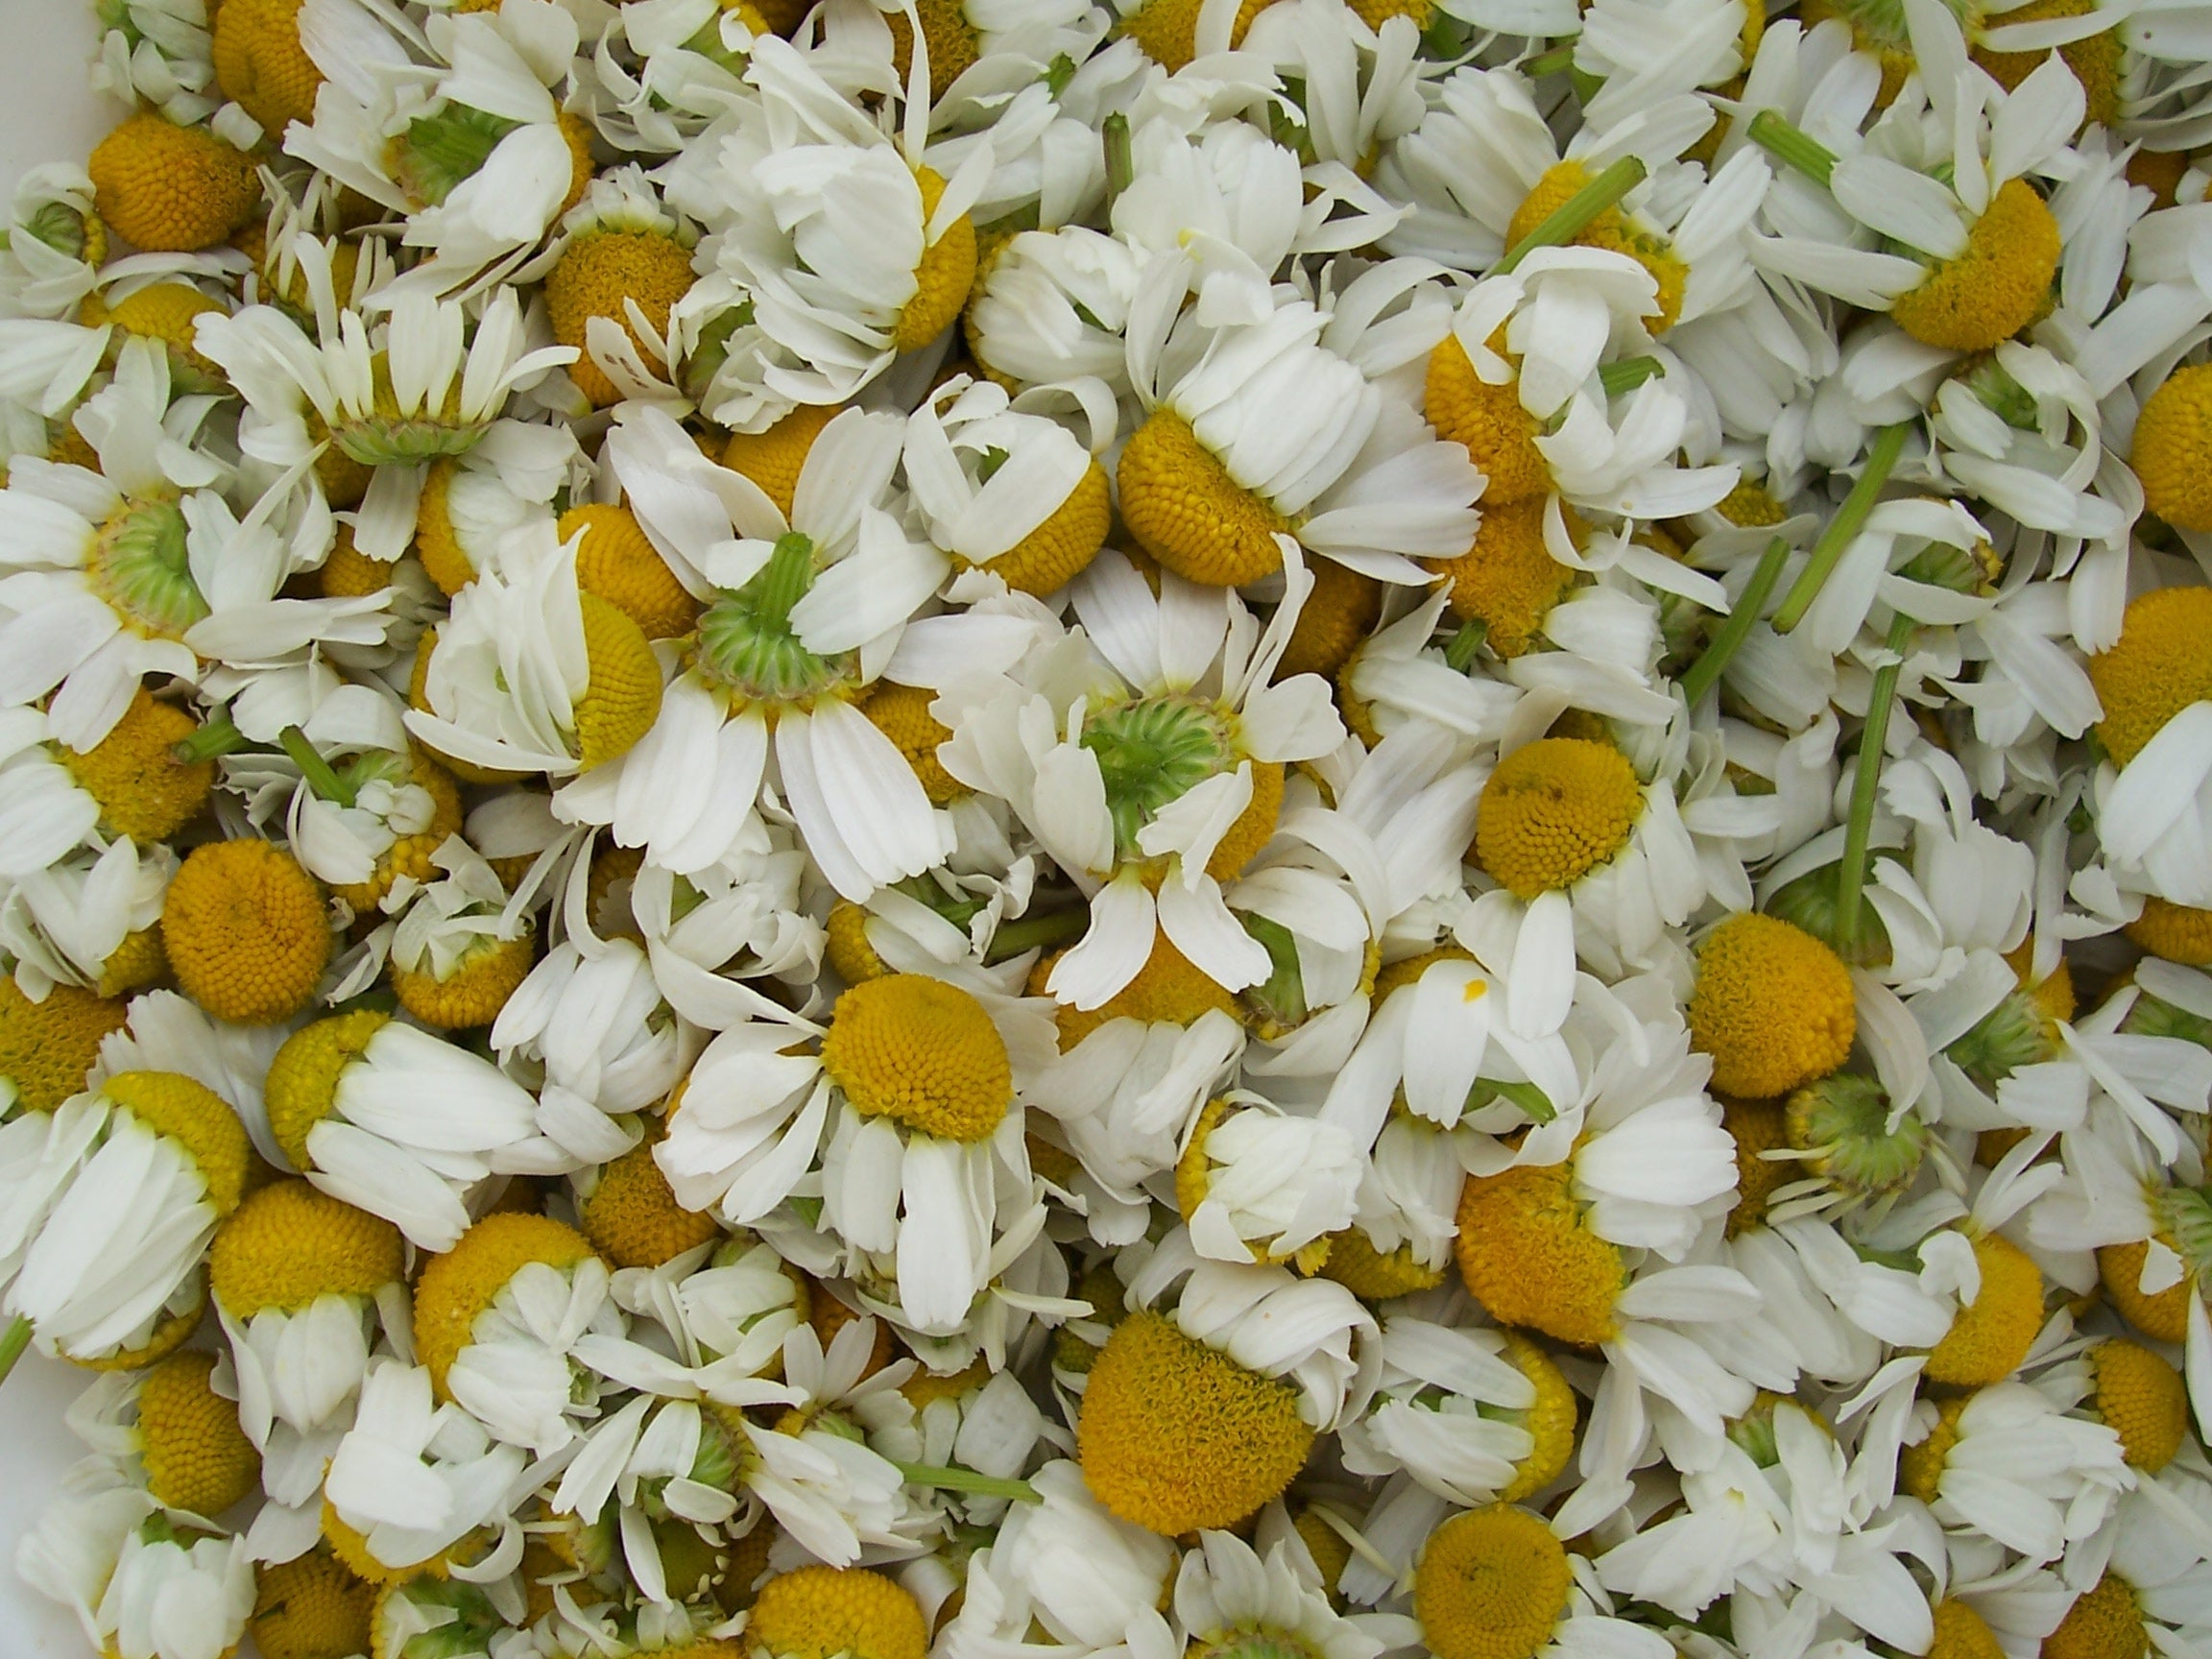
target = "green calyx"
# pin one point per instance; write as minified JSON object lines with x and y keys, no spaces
{"x":1260,"y":1644}
{"x":61,"y":226}
{"x":1842,"y":1123}
{"x":745,"y":644}
{"x":438,"y":152}
{"x":1809,"y":902}
{"x":2184,"y":1214}
{"x":436,"y":1618}
{"x":2150,"y":1016}
{"x":1153,"y":752}
{"x":1278,"y":1004}
{"x":142,"y":567}
{"x":2013,"y":1034}
{"x":2001,"y":394}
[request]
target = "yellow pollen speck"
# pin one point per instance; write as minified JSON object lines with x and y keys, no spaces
{"x":1921,"y":1468}
{"x":616,"y":562}
{"x":1996,"y":286}
{"x":2141,"y":1399}
{"x":631,"y":1217}
{"x":1376,"y":1275}
{"x":943,"y":278}
{"x":1168,"y":989}
{"x":196,"y":1118}
{"x":1961,"y":1633}
{"x":474,"y":993}
{"x":2178,"y":933}
{"x":1772,"y":1006}
{"x":170,"y":189}
{"x":1180,"y":503}
{"x":196,"y":1456}
{"x":1492,"y":1584}
{"x":1056,"y":552}
{"x":144,"y":791}
{"x":624,"y":697}
{"x":302,"y":1079}
{"x":1613,"y":230}
{"x":2105,"y":1623}
{"x":922,"y":1052}
{"x":1174,"y":1436}
{"x":1528,"y":1256}
{"x":1507,"y":579}
{"x":1988,"y":1341}
{"x":1500,"y":435}
{"x":773,"y":459}
{"x":824,"y":1612}
{"x":288,"y":1243}
{"x":2161,"y":1316}
{"x":246,"y":931}
{"x":1554,"y":811}
{"x":311,"y":1608}
{"x":1167,"y":31}
{"x":902,"y":713}
{"x":456,"y":1288}
{"x":47,"y":1048}
{"x":1341,"y":613}
{"x":260,"y":64}
{"x":2156,"y":668}
{"x":2173,"y":450}
{"x":602,"y":268}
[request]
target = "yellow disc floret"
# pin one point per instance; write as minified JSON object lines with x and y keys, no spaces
{"x":1961,"y":1633}
{"x":902,"y":713}
{"x":2172,"y":452}
{"x":2105,"y":1623}
{"x":1998,"y":285}
{"x":1921,"y":1468}
{"x":623,"y":698}
{"x":197,"y":1458}
{"x":774,"y":458}
{"x":260,"y":64}
{"x":1341,"y":613}
{"x":1507,"y":579}
{"x":1528,"y":1255}
{"x":288,"y":1244}
{"x":943,"y":278}
{"x":1170,"y":989}
{"x":134,"y":964}
{"x":845,"y":944}
{"x":922,"y":1052}
{"x":166,"y":311}
{"x":616,"y":562}
{"x":1492,"y":1583}
{"x":170,"y":189}
{"x":144,"y":791}
{"x":1056,"y":552}
{"x":437,"y":541}
{"x":824,"y":1612}
{"x":952,"y":40}
{"x":602,"y":269}
{"x":302,"y":1081}
{"x":1554,"y":811}
{"x":474,"y":992}
{"x":2162,"y":1315}
{"x":312,"y":1607}
{"x":1988,"y":1341}
{"x":1772,"y":1006}
{"x":2095,"y":58}
{"x":246,"y":931}
{"x":1180,"y":503}
{"x":631,"y":1218}
{"x":46,"y":1047}
{"x":196,"y":1118}
{"x":2156,"y":668}
{"x":1167,"y":31}
{"x":456,"y":1288}
{"x":1756,"y":1126}
{"x":2141,"y":1399}
{"x":1500,"y":435}
{"x":2178,"y":933}
{"x":1550,"y":1421}
{"x":1376,"y":1275}
{"x":1611,"y":229}
{"x":1174,"y":1436}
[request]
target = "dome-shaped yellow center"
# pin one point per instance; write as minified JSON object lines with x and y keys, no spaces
{"x":2162,"y":1315}
{"x":1756,"y":1126}
{"x":1988,"y":1341}
{"x":1341,"y":613}
{"x":196,"y":1118}
{"x":1961,"y":1633}
{"x":2156,"y":668}
{"x":1550,"y":1421}
{"x":922,"y":1053}
{"x":144,"y":791}
{"x":474,"y":993}
{"x":170,"y":189}
{"x":1920,"y":1467}
{"x":1167,"y":31}
{"x":46,"y":1047}
{"x":302,"y":1079}
{"x":945,"y":275}
{"x":902,"y":713}
{"x":823,"y":1612}
{"x":2140,"y":1398}
{"x":2105,"y":1623}
{"x":289,"y":1243}
{"x":1056,"y":552}
{"x":312,"y":1607}
{"x":260,"y":64}
{"x":845,"y":944}
{"x":1170,"y":989}
{"x":246,"y":930}
{"x":1500,"y":435}
{"x":1180,"y":503}
{"x":631,"y":1217}
{"x":1554,"y":811}
{"x":2173,"y":453}
{"x":773,"y":459}
{"x":196,"y":1456}
{"x":1529,"y":1257}
{"x":2178,"y":933}
{"x":1507,"y":579}
{"x":1996,"y":286}
{"x":603,"y":268}
{"x":1611,"y":229}
{"x":1174,"y":1436}
{"x":616,"y":562}
{"x":624,"y":697}
{"x":1376,"y":1275}
{"x":952,"y":42}
{"x":410,"y":854}
{"x":1772,"y":1006}
{"x":456,"y":1288}
{"x":1492,"y":1584}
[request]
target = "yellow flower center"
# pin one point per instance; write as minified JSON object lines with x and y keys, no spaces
{"x":2162,"y":1315}
{"x":170,"y":189}
{"x":1550,"y":1421}
{"x":601,"y":268}
{"x":1756,"y":1126}
{"x":943,"y":278}
{"x":1988,"y":1341}
{"x":774,"y":458}
{"x":1961,"y":1633}
{"x":1554,"y":811}
{"x":1612,"y":229}
{"x":1999,"y":285}
{"x":437,"y":540}
{"x":246,"y":931}
{"x":197,"y":1119}
{"x":1170,"y":989}
{"x":302,"y":1081}
{"x":1341,"y":613}
{"x":631,"y":1217}
{"x":474,"y":993}
{"x":1180,"y":503}
{"x":1174,"y":1436}
{"x":1500,"y":435}
{"x":1167,"y":31}
{"x":2140,"y":1398}
{"x":2094,"y":60}
{"x":616,"y":562}
{"x":410,"y":854}
{"x":1507,"y":579}
{"x":953,"y":44}
{"x":171,"y":1332}
{"x":288,"y":1244}
{"x":2172,"y":452}
{"x":1331,"y":1553}
{"x":196,"y":1456}
{"x":134,"y":964}
{"x":1772,"y":1006}
{"x":1527,"y":1256}
{"x":2156,"y":668}
{"x":846,"y":946}
{"x":1376,"y":1275}
{"x":1055,"y":553}
{"x":144,"y":791}
{"x":1921,"y":1468}
{"x":624,"y":697}
{"x":47,"y":1046}
{"x":902,"y":713}
{"x":164,"y":311}
{"x":457,"y":1287}
{"x":312,"y":1607}
{"x":922,"y":1053}
{"x":2105,"y":1623}
{"x":260,"y":64}
{"x":824,"y":1612}
{"x":2178,"y":933}
{"x":1492,"y":1584}
{"x":1750,"y":506}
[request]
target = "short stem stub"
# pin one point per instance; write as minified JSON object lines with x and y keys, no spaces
{"x":1027,"y":932}
{"x":967,"y":1481}
{"x":1120,"y":164}
{"x":1575,"y":215}
{"x":320,"y":776}
{"x":1792,"y":147}
{"x":218,"y":734}
{"x":13,"y":1342}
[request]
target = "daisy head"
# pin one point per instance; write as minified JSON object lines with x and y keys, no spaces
{"x":1498,"y":1584}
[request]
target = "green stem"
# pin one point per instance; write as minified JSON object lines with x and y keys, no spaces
{"x":1026,"y":932}
{"x":1850,"y":518}
{"x":1120,"y":164}
{"x":1851,"y":873}
{"x":217,"y":736}
{"x":1460,"y":649}
{"x":321,"y":777}
{"x":1628,"y":374}
{"x":1705,"y":673}
{"x":966,"y":1480}
{"x":13,"y":1342}
{"x":1793,"y":148}
{"x":785,"y":578}
{"x":1575,"y":215}
{"x":1556,"y":62}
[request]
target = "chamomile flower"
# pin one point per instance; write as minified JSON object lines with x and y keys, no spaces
{"x":2004,"y":1462}
{"x":1496,"y":1581}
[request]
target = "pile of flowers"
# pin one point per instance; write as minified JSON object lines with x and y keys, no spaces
{"x":1043,"y":830}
